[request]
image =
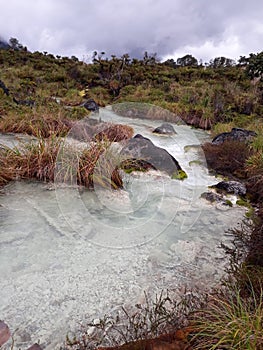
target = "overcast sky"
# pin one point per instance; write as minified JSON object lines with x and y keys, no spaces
{"x":171,"y":28}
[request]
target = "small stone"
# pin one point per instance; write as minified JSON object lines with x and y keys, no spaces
{"x":4,"y":333}
{"x":165,"y":129}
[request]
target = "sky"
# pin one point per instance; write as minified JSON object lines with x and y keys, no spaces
{"x":171,"y":28}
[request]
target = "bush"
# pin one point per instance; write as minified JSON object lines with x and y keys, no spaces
{"x":228,"y":158}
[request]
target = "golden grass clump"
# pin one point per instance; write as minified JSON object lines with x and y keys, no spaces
{"x":40,"y":123}
{"x":114,"y":133}
{"x":50,"y":160}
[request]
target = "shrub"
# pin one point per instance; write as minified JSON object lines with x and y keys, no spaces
{"x":228,"y":158}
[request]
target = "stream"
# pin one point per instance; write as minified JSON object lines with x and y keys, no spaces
{"x":68,"y":254}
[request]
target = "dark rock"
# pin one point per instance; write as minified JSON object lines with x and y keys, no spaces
{"x":141,"y":149}
{"x":236,"y":134}
{"x":211,"y":197}
{"x":216,"y":198}
{"x":4,"y":333}
{"x":91,"y":105}
{"x":35,"y":347}
{"x":234,"y":187}
{"x":165,"y":129}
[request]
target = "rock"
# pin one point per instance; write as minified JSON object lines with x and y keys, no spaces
{"x":91,"y":105}
{"x":4,"y":333}
{"x":216,"y":198}
{"x":234,"y":187}
{"x":236,"y":134}
{"x":142,"y":150}
{"x":165,"y":129}
{"x":211,"y":197}
{"x":35,"y":347}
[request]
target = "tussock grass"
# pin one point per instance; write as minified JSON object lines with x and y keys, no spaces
{"x":230,"y":321}
{"x":41,"y":122}
{"x":114,"y":133}
{"x":40,"y":160}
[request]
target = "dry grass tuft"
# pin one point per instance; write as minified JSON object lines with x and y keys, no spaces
{"x":42,"y":161}
{"x":40,"y":123}
{"x":114,"y":133}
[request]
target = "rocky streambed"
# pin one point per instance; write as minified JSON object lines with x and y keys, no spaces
{"x":68,"y":254}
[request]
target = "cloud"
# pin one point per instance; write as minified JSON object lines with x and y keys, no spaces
{"x":167,"y":27}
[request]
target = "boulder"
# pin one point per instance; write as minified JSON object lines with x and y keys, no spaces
{"x":91,"y":105}
{"x":142,"y":150}
{"x":4,"y":333}
{"x":234,"y":187}
{"x":165,"y":129}
{"x":236,"y":134}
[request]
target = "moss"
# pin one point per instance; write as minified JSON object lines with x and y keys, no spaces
{"x":180,"y":175}
{"x":243,"y":203}
{"x":229,"y":203}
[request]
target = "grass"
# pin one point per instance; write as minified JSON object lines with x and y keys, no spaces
{"x":50,"y":160}
{"x":40,"y":122}
{"x":230,"y":321}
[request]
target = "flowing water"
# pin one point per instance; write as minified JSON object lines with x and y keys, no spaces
{"x":68,"y":254}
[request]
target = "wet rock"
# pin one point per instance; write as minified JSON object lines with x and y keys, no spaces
{"x":35,"y":347}
{"x":165,"y":129}
{"x":234,"y":187}
{"x":236,"y":134}
{"x":140,"y":149}
{"x":4,"y":333}
{"x":91,"y":105}
{"x":211,"y":197}
{"x":217,"y":199}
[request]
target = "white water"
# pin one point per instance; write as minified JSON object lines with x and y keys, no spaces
{"x":68,"y":254}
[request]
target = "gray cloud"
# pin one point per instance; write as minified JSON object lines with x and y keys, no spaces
{"x":167,"y":27}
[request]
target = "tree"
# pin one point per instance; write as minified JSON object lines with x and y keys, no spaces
{"x":15,"y":44}
{"x":255,"y":65}
{"x":222,"y":62}
{"x":187,"y":61}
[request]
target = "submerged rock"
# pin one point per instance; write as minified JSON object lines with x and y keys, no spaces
{"x":141,"y":150}
{"x":4,"y":333}
{"x":165,"y":129}
{"x":216,"y":198}
{"x":236,"y":134}
{"x":234,"y":187}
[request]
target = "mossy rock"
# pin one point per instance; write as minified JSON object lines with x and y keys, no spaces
{"x":179,"y":175}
